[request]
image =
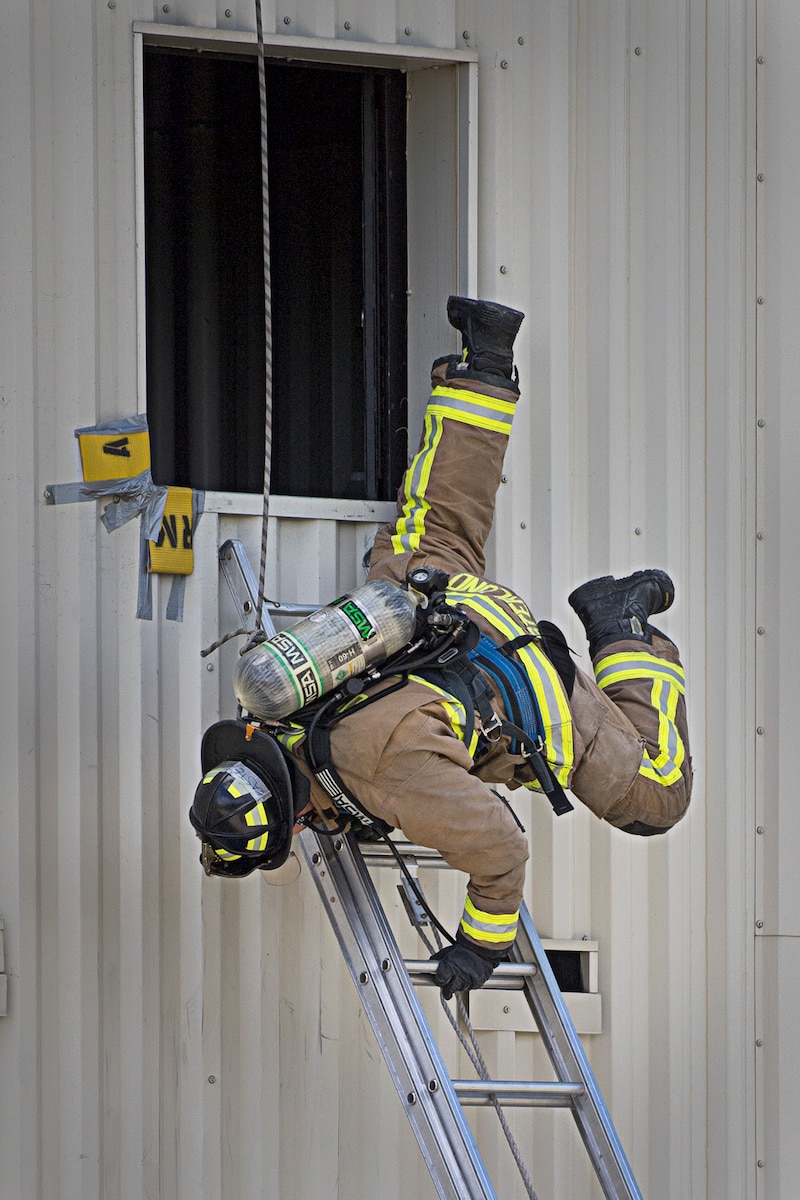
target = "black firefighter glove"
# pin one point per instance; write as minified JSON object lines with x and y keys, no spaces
{"x":462,"y":966}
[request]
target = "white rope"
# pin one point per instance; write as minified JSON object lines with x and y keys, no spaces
{"x":262,"y":95}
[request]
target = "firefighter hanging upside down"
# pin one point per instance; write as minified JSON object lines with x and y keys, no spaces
{"x":418,"y":748}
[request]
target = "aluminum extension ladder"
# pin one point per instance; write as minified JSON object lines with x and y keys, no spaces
{"x":433,"y":1102}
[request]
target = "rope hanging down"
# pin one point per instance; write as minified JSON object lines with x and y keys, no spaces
{"x":262,"y":96}
{"x":261,"y":601}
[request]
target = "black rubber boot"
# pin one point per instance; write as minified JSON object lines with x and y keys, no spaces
{"x":615,"y":609}
{"x":487,"y":331}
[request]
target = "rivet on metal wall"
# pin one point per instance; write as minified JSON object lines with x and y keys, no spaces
{"x":760,"y":631}
{"x":504,"y":270}
{"x":520,"y":41}
{"x":759,"y":924}
{"x":209,"y":666}
{"x":759,"y":299}
{"x":504,"y":65}
{"x":466,"y":35}
{"x":407,"y":31}
{"x":523,"y":524}
{"x":759,"y":829}
{"x":638,"y":531}
{"x":228,"y":13}
{"x":637,"y":50}
{"x":761,"y":422}
{"x":760,"y":536}
{"x":759,"y":730}
{"x":760,"y":60}
{"x":287,"y":20}
{"x":760,"y":176}
{"x":347,"y":25}
{"x":165,"y":8}
{"x":112,"y":3}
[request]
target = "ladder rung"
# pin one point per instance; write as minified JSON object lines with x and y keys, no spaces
{"x":508,"y":976}
{"x":511,"y":1093}
{"x":378,"y":854}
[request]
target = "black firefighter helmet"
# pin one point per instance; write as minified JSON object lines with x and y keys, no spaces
{"x":244,"y":807}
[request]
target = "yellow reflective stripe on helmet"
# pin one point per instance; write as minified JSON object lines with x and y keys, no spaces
{"x":410,"y":525}
{"x":257,"y":816}
{"x":494,"y":929}
{"x":547,"y":687}
{"x":668,"y":685}
{"x":471,"y":408}
{"x":226,"y":854}
{"x":456,"y":713}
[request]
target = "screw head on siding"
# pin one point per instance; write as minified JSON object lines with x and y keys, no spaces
{"x":504,"y":270}
{"x":760,"y":60}
{"x":637,"y":50}
{"x":407,"y":31}
{"x":504,"y":65}
{"x":520,"y":41}
{"x":759,"y":299}
{"x":287,"y":20}
{"x":760,"y":176}
{"x":466,"y":35}
{"x":759,"y":829}
{"x":759,"y":924}
{"x":638,"y":531}
{"x":761,"y":422}
{"x":212,"y":1079}
{"x":347,"y":25}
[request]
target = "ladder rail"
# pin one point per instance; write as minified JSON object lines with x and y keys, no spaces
{"x":398,"y":1021}
{"x":570,"y":1063}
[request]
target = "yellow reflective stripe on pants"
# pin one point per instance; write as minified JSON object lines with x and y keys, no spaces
{"x":495,"y":929}
{"x":410,"y":527}
{"x":618,"y":667}
{"x":487,"y":412}
{"x":456,"y":713}
{"x":668,"y":685}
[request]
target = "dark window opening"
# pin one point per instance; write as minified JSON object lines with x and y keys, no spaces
{"x":338,"y":273}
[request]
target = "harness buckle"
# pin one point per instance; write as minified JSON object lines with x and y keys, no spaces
{"x":494,"y":725}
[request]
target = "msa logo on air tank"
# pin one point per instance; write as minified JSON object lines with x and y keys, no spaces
{"x":364,"y":626}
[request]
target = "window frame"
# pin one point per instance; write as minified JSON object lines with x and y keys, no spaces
{"x":433,"y":271}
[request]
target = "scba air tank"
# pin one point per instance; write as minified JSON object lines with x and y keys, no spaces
{"x":297,"y":666}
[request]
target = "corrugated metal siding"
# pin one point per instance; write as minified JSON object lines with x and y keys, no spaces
{"x":603,"y":158}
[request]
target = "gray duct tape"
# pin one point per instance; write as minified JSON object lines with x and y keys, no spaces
{"x":134,"y":497}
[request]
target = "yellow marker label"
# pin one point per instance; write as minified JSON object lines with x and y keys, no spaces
{"x":171,"y":553}
{"x":114,"y":455}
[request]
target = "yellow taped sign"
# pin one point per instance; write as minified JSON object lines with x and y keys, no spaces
{"x":114,"y":455}
{"x":171,"y":553}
